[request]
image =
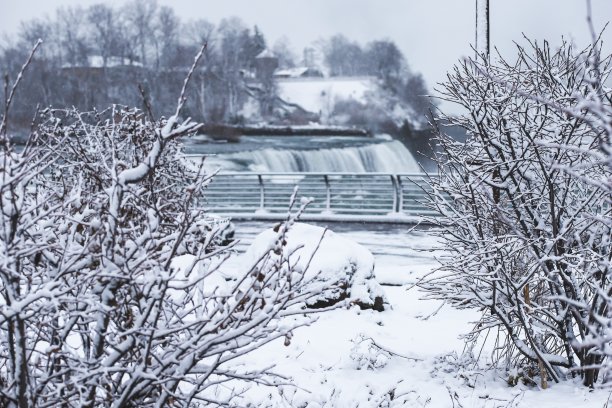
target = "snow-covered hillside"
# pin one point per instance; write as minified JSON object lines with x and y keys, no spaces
{"x":318,"y":95}
{"x":372,"y":103}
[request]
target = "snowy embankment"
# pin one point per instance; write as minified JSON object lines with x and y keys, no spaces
{"x":408,"y":355}
{"x":318,"y":95}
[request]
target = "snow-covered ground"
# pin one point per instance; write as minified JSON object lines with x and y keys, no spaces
{"x":340,"y":360}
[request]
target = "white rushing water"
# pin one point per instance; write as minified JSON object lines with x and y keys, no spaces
{"x":386,"y":157}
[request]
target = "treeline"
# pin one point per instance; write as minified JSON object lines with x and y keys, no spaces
{"x":96,"y":56}
{"x":379,"y":58}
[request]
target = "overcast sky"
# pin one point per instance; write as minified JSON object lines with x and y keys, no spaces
{"x":433,"y":34}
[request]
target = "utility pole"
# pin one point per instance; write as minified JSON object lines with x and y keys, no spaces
{"x":483,"y":37}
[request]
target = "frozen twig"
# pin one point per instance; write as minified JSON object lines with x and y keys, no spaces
{"x":182,"y":97}
{"x":11,"y":95}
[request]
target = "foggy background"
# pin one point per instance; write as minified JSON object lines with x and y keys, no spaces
{"x":432,"y":34}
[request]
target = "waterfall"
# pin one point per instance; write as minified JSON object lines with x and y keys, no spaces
{"x":385,"y":157}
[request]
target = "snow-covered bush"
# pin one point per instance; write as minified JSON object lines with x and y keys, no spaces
{"x":96,"y":308}
{"x":594,"y":107}
{"x":527,"y":229}
{"x":337,"y":267}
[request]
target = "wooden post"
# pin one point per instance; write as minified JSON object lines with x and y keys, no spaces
{"x":541,"y":367}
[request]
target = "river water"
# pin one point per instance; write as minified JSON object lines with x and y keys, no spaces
{"x":305,"y":154}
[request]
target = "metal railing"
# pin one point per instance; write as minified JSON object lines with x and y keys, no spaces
{"x":336,"y":196}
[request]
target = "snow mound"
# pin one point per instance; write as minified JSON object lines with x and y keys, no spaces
{"x":343,"y":269}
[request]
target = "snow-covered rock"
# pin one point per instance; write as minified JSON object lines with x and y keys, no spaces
{"x":342,"y":268}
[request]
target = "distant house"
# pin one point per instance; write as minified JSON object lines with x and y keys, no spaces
{"x":299,"y":72}
{"x":265,"y":64}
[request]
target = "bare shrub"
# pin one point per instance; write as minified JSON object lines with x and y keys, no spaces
{"x":527,"y":230}
{"x":108,"y":286}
